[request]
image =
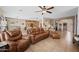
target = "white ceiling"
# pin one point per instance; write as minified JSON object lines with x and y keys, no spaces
{"x":28,"y":12}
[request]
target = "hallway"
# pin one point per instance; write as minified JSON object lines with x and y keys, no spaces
{"x":64,"y":44}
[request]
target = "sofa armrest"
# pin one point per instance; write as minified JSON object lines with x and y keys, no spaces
{"x":12,"y":46}
{"x":32,"y":37}
{"x":27,"y":37}
{"x":23,"y":44}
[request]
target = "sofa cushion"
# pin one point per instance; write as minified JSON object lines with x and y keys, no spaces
{"x":8,"y":37}
{"x":42,"y":30}
{"x":33,"y":33}
{"x":13,"y":35}
{"x":33,"y":30}
{"x":38,"y":36}
{"x":37,"y":33}
{"x":14,"y":32}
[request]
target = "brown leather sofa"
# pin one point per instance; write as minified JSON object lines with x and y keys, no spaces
{"x":55,"y":34}
{"x":37,"y":34}
{"x":15,"y":40}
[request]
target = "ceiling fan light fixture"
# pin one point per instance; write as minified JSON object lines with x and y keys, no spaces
{"x":44,"y":11}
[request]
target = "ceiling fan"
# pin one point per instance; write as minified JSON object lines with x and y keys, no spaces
{"x":45,"y":9}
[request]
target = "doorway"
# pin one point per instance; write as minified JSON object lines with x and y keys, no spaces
{"x":64,"y":26}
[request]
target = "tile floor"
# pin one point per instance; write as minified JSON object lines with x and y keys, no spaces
{"x":55,"y":45}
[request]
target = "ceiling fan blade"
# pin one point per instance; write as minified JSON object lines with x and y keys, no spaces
{"x":48,"y":11}
{"x":40,"y":7}
{"x":50,"y":8}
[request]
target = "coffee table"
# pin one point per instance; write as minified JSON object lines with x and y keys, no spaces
{"x":4,"y":47}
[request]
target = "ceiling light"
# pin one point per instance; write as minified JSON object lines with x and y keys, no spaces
{"x":44,"y":11}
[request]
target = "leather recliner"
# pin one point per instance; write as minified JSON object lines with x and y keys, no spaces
{"x":16,"y":41}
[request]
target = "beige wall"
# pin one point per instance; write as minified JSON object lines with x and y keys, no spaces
{"x":21,"y":23}
{"x":46,"y":23}
{"x":1,"y":12}
{"x":16,"y":23}
{"x":69,"y":24}
{"x":32,"y":23}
